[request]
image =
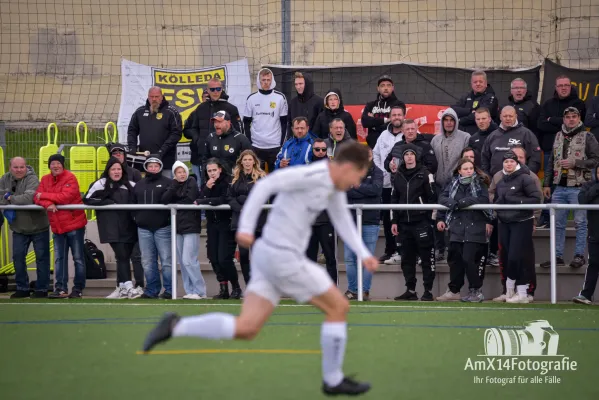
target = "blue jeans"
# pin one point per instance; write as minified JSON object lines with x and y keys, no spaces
{"x":73,"y":240}
{"x":370,"y":234}
{"x":198,"y":173}
{"x":153,"y":245}
{"x":569,"y":195}
{"x":188,"y":248}
{"x":547,"y":171}
{"x":41,"y":247}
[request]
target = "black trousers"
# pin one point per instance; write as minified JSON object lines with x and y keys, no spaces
{"x":138,"y":269}
{"x":494,"y":239}
{"x":417,"y":241}
{"x":529,"y":256}
{"x":590,"y":278}
{"x":515,"y":241}
{"x":244,"y":260}
{"x":390,"y":245}
{"x":122,"y":253}
{"x":325,"y":236}
{"x":466,"y":258}
{"x":267,"y":157}
{"x":221,"y":250}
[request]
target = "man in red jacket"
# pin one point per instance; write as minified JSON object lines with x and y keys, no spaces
{"x":60,"y":187}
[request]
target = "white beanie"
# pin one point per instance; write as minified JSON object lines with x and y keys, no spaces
{"x":179,"y":164}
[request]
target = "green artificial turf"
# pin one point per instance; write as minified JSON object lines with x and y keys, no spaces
{"x":88,"y":349}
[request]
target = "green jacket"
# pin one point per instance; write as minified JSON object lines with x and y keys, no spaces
{"x":26,"y":222}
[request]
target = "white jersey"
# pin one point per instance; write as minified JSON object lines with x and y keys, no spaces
{"x":266,"y":111}
{"x":303,"y":192}
{"x":381,"y":150}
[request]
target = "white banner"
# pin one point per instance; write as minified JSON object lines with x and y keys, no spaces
{"x":182,"y":88}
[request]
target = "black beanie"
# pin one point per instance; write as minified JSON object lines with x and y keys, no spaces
{"x":510,"y":155}
{"x":56,"y":157}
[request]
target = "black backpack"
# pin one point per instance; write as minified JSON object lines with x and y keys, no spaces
{"x":95,"y":268}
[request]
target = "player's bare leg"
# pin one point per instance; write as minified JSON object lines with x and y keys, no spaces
{"x":333,"y":337}
{"x":255,"y":311}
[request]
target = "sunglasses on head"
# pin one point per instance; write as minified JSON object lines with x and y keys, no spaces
{"x":215,"y":89}
{"x":320,"y":149}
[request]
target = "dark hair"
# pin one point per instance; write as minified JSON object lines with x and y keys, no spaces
{"x":465,"y":150}
{"x":402,"y":108}
{"x":297,"y":120}
{"x":484,"y":177}
{"x":320,"y":140}
{"x":353,"y":152}
{"x":217,"y":162}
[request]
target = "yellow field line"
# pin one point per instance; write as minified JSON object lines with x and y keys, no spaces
{"x":225,"y":351}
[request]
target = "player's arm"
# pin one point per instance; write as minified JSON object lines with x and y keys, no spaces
{"x":344,"y":225}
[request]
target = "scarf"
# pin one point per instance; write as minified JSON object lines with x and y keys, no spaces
{"x":475,"y":191}
{"x":576,"y":151}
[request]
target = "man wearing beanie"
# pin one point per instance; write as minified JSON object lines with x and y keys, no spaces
{"x":375,"y":116}
{"x":516,"y":226}
{"x":60,"y":187}
{"x":154,"y":230}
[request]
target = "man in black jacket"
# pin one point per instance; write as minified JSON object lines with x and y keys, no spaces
{"x":199,"y":124}
{"x":414,"y":184}
{"x":157,"y":126}
{"x":485,"y":126}
{"x":375,"y":116}
{"x":592,"y":117}
{"x":481,"y":95}
{"x":525,"y":104}
{"x":225,"y":144}
{"x":411,"y":135}
{"x":307,"y":103}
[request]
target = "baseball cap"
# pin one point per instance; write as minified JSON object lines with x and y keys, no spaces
{"x":572,"y":110}
{"x":384,"y":78}
{"x":221,"y":116}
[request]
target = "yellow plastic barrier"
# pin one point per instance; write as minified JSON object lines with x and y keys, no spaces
{"x":4,"y":259}
{"x":47,"y":150}
{"x":83,"y":160}
{"x":102,"y":154}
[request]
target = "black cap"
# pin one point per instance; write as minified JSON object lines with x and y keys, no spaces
{"x":384,"y":78}
{"x":571,"y":110}
{"x":221,"y":116}
{"x":117,"y":147}
{"x":56,"y":157}
{"x":510,"y":155}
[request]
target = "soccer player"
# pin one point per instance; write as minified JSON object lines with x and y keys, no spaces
{"x":280,"y":267}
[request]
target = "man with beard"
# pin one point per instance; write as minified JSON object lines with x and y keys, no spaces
{"x":481,"y":95}
{"x":157,"y":126}
{"x":225,"y":143}
{"x":376,"y":114}
{"x":307,"y":103}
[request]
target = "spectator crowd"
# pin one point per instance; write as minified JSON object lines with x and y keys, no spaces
{"x":485,"y":153}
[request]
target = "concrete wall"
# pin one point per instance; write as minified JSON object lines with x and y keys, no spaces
{"x":60,"y":61}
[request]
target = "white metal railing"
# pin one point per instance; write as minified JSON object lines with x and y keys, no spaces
{"x":359,"y":210}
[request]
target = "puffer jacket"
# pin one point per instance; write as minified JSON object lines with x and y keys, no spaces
{"x":517,"y":188}
{"x":61,"y":190}
{"x":188,"y":221}
{"x":22,"y":191}
{"x":150,"y":191}
{"x":412,"y":186}
{"x":369,"y":192}
{"x":470,"y":102}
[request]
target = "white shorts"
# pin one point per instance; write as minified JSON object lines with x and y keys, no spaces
{"x":278,"y":272}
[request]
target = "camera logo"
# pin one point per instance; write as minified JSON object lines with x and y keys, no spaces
{"x":538,"y":338}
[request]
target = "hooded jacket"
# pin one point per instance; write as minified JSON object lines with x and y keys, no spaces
{"x":186,"y":192}
{"x":321,"y":125}
{"x":477,"y":141}
{"x":225,"y":147}
{"x":307,"y":104}
{"x":369,"y":192}
{"x":199,"y":124}
{"x":589,"y":194}
{"x":382,"y":149}
{"x":470,"y":102}
{"x":426,"y":153}
{"x":448,"y":149}
{"x":502,"y":140}
{"x":150,"y":191}
{"x":527,"y":109}
{"x":22,"y":191}
{"x":265,"y":116}
{"x":380,"y":109}
{"x":158,"y":133}
{"x":298,"y":151}
{"x":592,"y":117}
{"x":237,"y":196}
{"x":517,"y":188}
{"x":551,"y":117}
{"x":114,"y":226}
{"x":133,"y":174}
{"x":333,"y":145}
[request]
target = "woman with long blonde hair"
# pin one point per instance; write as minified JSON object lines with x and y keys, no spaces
{"x":246,"y":173}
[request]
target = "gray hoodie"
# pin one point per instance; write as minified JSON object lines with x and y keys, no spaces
{"x":447,"y":149}
{"x":22,"y":191}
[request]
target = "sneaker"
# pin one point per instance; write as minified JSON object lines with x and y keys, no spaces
{"x":347,"y":386}
{"x":474,"y":296}
{"x":395,"y":259}
{"x":162,"y":332}
{"x":559,"y":262}
{"x":58,"y":294}
{"x":449,"y":296}
{"x":135,"y":293}
{"x":166,"y":296}
{"x":20,"y":294}
{"x":493,"y":260}
{"x":118,"y":293}
{"x":500,"y":299}
{"x":408,"y":295}
{"x":39,"y":294}
{"x":385,"y":257}
{"x":580,"y":299}
{"x":235,"y":294}
{"x":578,"y":261}
{"x":531,"y":298}
{"x":147,"y":296}
{"x":194,"y":296}
{"x":517,"y":299}
{"x":542,"y":224}
{"x":351,"y":295}
{"x":427,"y":296}
{"x":76,"y":294}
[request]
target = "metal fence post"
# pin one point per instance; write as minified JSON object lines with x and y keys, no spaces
{"x":552,"y":255}
{"x":174,"y":251}
{"x":358,"y":258}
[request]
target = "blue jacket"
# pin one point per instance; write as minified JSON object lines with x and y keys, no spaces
{"x":299,"y":151}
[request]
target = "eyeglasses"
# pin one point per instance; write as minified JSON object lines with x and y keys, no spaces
{"x":323,"y":149}
{"x":215,"y":89}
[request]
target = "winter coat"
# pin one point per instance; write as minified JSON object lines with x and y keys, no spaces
{"x":307,"y":104}
{"x":22,"y":191}
{"x":477,"y":141}
{"x":448,"y":149}
{"x":551,"y":117}
{"x":61,"y":190}
{"x":589,"y":194}
{"x":472,"y":101}
{"x":298,"y":151}
{"x":216,"y":196}
{"x":501,"y":141}
{"x":412,"y":186}
{"x":517,"y":188}
{"x":188,"y":221}
{"x":114,"y":226}
{"x":199,"y":124}
{"x":465,"y":225}
{"x":238,"y":194}
{"x":527,"y":109}
{"x":225,"y":147}
{"x":150,"y":191}
{"x":369,"y":192}
{"x":158,"y":133}
{"x":321,"y":125}
{"x":380,"y":109}
{"x":426,"y":156}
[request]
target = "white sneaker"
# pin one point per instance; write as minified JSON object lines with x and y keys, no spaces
{"x":500,"y":299}
{"x":394,"y":260}
{"x":518,"y":299}
{"x":194,"y":297}
{"x":135,"y":293}
{"x":116,"y":294}
{"x":449,"y":296}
